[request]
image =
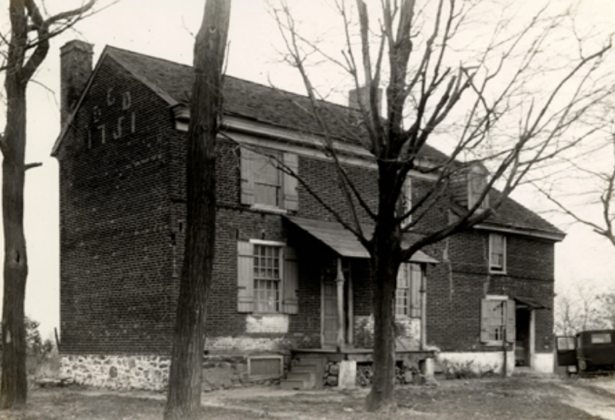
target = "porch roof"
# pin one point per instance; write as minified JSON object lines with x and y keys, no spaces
{"x":529,"y":302}
{"x":342,"y":241}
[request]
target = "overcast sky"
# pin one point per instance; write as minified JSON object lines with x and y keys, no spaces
{"x":164,"y":29}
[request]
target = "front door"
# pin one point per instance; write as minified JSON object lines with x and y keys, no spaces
{"x":329,"y":313}
{"x":522,"y":337}
{"x":566,"y":350}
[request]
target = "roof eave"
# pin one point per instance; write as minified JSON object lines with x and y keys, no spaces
{"x":535,"y":233}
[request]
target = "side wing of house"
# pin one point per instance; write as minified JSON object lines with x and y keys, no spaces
{"x":498,"y":281}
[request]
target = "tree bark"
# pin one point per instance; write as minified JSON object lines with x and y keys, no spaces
{"x":185,"y":378}
{"x":386,"y":249}
{"x":14,"y":386}
{"x":25,"y":17}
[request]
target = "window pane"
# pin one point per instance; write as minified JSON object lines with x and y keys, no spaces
{"x":402,"y":293}
{"x":601,"y":338}
{"x":565,"y":343}
{"x":266,"y":278}
{"x":267,"y":181}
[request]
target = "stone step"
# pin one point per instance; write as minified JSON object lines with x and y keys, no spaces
{"x":304,"y":367}
{"x":292,"y":384}
{"x":308,"y":378}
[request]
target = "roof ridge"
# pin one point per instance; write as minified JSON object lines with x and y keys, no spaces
{"x":187,"y":66}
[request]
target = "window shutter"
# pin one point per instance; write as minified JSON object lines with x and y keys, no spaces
{"x":247,"y":177}
{"x":485,"y":320}
{"x":406,"y":201}
{"x":510,"y":321}
{"x":245,"y":279}
{"x":291,"y":197}
{"x":401,"y":273}
{"x":290,"y":304}
{"x":415,"y":299}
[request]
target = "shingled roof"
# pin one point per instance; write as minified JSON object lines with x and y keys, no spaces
{"x":265,"y":104}
{"x":249,"y":100}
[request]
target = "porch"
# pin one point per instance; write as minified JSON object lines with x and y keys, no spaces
{"x":346,"y":368}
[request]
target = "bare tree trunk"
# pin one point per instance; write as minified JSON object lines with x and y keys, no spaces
{"x":184,"y":396}
{"x":14,"y":386}
{"x":386,"y":249}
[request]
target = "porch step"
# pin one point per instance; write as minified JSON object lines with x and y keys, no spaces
{"x":288,"y":384}
{"x":307,"y":374}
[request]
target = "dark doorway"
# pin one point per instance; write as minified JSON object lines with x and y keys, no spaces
{"x":522,"y":340}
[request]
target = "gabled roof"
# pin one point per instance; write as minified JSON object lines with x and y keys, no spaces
{"x":265,"y":104}
{"x":513,"y":217}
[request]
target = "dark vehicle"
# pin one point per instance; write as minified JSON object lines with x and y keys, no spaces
{"x":588,"y":351}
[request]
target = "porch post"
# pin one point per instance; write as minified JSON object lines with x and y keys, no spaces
{"x":531,"y":352}
{"x":340,"y":305}
{"x":423,"y":291}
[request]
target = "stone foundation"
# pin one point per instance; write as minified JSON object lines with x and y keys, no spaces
{"x":124,"y":372}
{"x":117,"y":371}
{"x":475,"y":363}
{"x":364,"y":373}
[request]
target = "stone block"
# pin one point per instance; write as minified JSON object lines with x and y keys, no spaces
{"x":347,"y":374}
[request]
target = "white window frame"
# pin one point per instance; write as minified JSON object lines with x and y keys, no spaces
{"x":406,"y":310}
{"x":494,"y":267}
{"x":267,"y":155}
{"x":280,"y":280}
{"x":505,"y":306}
{"x":406,"y":201}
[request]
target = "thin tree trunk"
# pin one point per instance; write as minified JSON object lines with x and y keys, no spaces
{"x":184,"y":396}
{"x":14,"y":387}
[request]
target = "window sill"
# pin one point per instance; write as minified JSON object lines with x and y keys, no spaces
{"x":497,"y":273}
{"x":268,"y":209}
{"x":497,"y":344}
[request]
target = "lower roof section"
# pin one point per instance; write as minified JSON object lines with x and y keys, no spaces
{"x":344,"y":242}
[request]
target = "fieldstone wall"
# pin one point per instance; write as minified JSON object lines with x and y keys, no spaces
{"x":117,"y":371}
{"x":403,"y":374}
{"x":152,"y":372}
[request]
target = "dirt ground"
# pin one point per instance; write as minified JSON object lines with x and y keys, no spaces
{"x":517,"y":398}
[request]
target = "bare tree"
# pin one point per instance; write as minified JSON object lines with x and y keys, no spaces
{"x":497,"y":98}
{"x":595,"y":189}
{"x":184,"y":394}
{"x":583,"y":309}
{"x":22,"y":52}
{"x":577,"y":311}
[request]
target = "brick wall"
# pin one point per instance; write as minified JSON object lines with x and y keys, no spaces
{"x":123,"y":230}
{"x":457,"y":285}
{"x":117,"y":292}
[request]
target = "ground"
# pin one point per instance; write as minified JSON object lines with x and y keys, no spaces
{"x":515,"y":398}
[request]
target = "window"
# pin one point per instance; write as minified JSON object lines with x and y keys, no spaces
{"x":497,"y":320}
{"x":267,"y":180}
{"x":477,"y":182}
{"x":565,"y":343}
{"x":263,"y":184}
{"x":601,"y":338}
{"x":267,"y":277}
{"x":408,"y":292}
{"x":497,"y":253}
{"x":405,"y":202}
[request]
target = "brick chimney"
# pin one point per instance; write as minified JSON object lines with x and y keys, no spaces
{"x":75,"y":69}
{"x":358,"y":96}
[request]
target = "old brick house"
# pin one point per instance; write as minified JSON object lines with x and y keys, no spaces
{"x":287,"y":277}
